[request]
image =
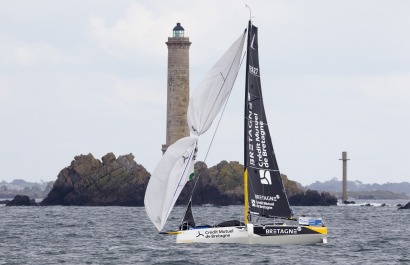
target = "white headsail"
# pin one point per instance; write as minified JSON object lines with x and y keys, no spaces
{"x":214,"y":89}
{"x":168,"y":179}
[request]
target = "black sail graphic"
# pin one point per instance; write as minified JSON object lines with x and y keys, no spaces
{"x":266,"y":194}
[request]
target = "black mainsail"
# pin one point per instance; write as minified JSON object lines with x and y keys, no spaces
{"x":263,"y":184}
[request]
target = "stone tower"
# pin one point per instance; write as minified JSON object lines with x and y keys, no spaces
{"x":344,"y":187}
{"x":178,"y":86}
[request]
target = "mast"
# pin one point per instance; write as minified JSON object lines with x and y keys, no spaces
{"x":245,"y":160}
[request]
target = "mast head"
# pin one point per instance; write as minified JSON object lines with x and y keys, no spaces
{"x":178,"y":31}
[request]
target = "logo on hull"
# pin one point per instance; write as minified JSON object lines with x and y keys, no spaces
{"x":281,"y":231}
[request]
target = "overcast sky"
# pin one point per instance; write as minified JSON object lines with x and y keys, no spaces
{"x":79,"y":77}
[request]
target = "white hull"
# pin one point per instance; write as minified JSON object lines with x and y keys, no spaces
{"x":255,"y":235}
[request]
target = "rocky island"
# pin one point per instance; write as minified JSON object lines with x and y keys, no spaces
{"x":21,"y":200}
{"x":407,"y":206}
{"x":122,"y":182}
{"x":91,"y":182}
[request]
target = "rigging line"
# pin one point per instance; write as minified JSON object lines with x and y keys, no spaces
{"x":261,"y":168}
{"x":250,"y":101}
{"x":220,"y":118}
{"x":217,"y":126}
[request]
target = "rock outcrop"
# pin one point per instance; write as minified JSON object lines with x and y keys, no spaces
{"x":122,"y":182}
{"x":407,"y":206}
{"x":88,"y":181}
{"x":219,"y":185}
{"x":313,"y":198}
{"x":21,"y":200}
{"x":223,"y":185}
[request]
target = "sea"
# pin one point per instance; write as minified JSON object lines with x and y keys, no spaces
{"x":124,"y":235}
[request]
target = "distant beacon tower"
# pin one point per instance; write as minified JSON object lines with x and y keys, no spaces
{"x":344,"y":159}
{"x":178,"y":86}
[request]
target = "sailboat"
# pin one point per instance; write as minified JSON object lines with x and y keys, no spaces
{"x":264,"y":194}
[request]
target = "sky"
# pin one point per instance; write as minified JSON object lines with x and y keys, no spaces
{"x":79,"y":77}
